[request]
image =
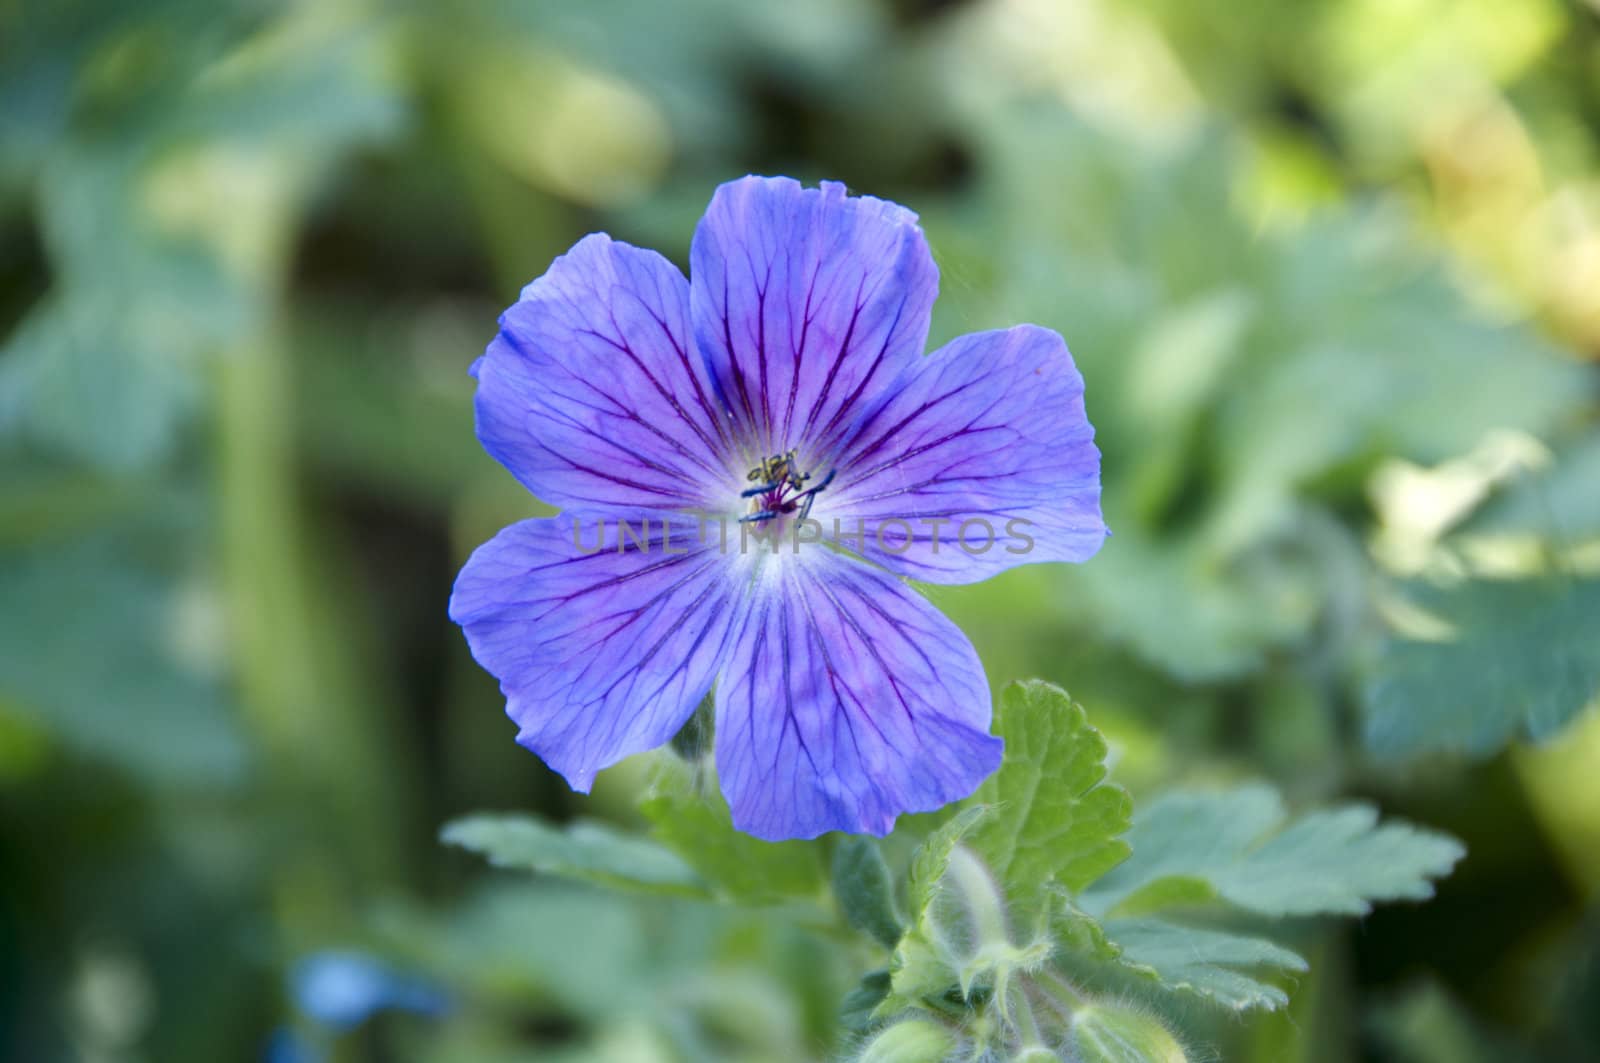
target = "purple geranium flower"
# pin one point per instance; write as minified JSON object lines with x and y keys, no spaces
{"x":786,"y":390}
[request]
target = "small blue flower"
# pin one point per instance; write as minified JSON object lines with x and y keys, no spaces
{"x":342,"y":990}
{"x":782,"y":397}
{"x":286,"y":1046}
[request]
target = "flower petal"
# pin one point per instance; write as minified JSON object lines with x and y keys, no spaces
{"x":592,"y":395}
{"x":600,"y":655}
{"x":990,"y":429}
{"x":805,"y":302}
{"x":848,"y":699}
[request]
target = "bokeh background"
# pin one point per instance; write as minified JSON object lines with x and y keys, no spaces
{"x":1331,"y":269}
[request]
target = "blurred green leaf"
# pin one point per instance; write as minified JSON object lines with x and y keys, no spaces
{"x":864,"y":889}
{"x":1196,"y":612}
{"x":1425,"y":1025}
{"x":586,"y":851}
{"x":1239,"y":379}
{"x":371,"y":412}
{"x":89,"y":376}
{"x":857,"y":1010}
{"x":1558,"y":504}
{"x":102,"y":647}
{"x":1056,"y":819}
{"x":160,"y":235}
{"x":1347,"y":296}
{"x":697,"y":826}
{"x":515,"y":940}
{"x":1239,"y":845}
{"x":1522,"y":659}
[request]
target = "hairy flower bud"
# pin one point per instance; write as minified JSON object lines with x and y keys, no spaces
{"x":1035,"y":1054}
{"x":911,"y":1041}
{"x":1110,"y":1033}
{"x":968,"y":915}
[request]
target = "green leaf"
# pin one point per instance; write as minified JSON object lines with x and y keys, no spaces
{"x":1425,"y":1024}
{"x":113,"y":403}
{"x":516,"y":938}
{"x":1207,"y":963}
{"x":103,"y":649}
{"x":697,"y":826}
{"x":1523,"y":659}
{"x":1557,"y":503}
{"x":933,"y":856}
{"x":864,"y":889}
{"x":856,"y":1013}
{"x":1212,"y":569}
{"x":724,"y":989}
{"x":1190,"y":847}
{"x":1055,"y":819}
{"x":587,"y":851}
{"x":1171,"y":891}
{"x":1192,"y":608}
{"x":143,"y":236}
{"x":1079,"y":933}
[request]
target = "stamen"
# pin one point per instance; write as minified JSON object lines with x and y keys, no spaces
{"x":779,"y":474}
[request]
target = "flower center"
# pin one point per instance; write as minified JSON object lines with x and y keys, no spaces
{"x":779,"y":489}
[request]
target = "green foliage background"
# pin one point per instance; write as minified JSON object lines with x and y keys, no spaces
{"x":1331,"y":270}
